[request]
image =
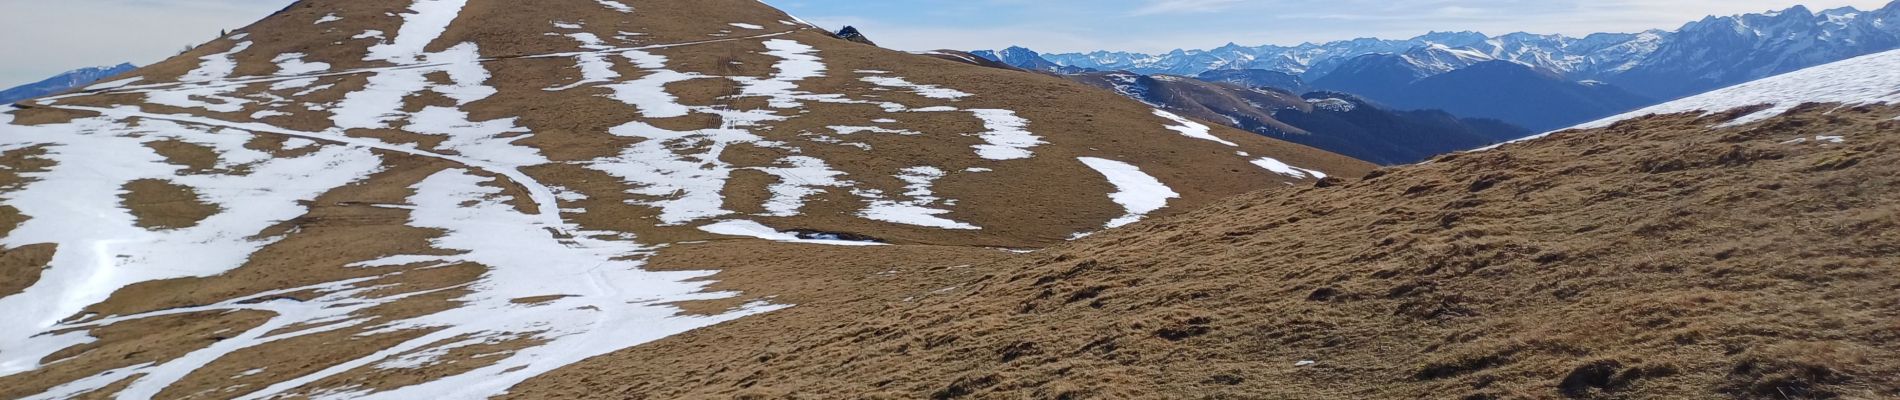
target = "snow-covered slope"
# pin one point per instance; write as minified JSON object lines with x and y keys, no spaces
{"x":1870,"y":79}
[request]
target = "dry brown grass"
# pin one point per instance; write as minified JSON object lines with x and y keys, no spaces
{"x":158,"y":204}
{"x":1658,"y":258}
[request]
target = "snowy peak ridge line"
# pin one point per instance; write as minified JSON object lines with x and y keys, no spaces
{"x":445,"y":198}
{"x":1660,"y":64}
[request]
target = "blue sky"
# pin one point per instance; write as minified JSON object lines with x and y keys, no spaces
{"x":44,"y":37}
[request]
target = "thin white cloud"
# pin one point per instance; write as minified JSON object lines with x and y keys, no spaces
{"x":1184,"y":6}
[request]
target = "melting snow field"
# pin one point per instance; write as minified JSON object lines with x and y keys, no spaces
{"x":75,"y":204}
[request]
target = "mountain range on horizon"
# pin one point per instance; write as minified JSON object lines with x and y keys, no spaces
{"x":1702,"y":55}
{"x":716,"y":199}
{"x":63,"y":82}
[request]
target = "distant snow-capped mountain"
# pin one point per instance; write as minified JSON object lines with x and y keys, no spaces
{"x":62,"y":82}
{"x":1701,"y":55}
{"x":1722,"y":51}
{"x":1025,"y":58}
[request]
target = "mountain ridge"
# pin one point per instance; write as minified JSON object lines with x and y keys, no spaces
{"x":62,"y":82}
{"x":1657,"y":63}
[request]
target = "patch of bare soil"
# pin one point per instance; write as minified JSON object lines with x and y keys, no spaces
{"x":18,"y":161}
{"x":20,"y":267}
{"x":195,"y":158}
{"x":159,"y":204}
{"x":1658,"y":258}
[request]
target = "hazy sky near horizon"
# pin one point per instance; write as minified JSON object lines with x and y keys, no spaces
{"x":45,"y":37}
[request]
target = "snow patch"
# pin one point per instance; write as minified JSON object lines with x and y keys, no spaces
{"x":595,"y":67}
{"x":918,"y":209}
{"x":1008,"y":136}
{"x":424,"y":23}
{"x":292,"y":64}
{"x":1189,"y":128}
{"x":204,"y":86}
{"x":1334,"y":105}
{"x":615,"y":5}
{"x":930,"y":91}
{"x":1137,"y":192}
{"x":799,"y":178}
{"x":756,"y":230}
{"x":678,"y":172}
{"x":797,"y":62}
{"x":850,"y":130}
{"x":1282,"y":168}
